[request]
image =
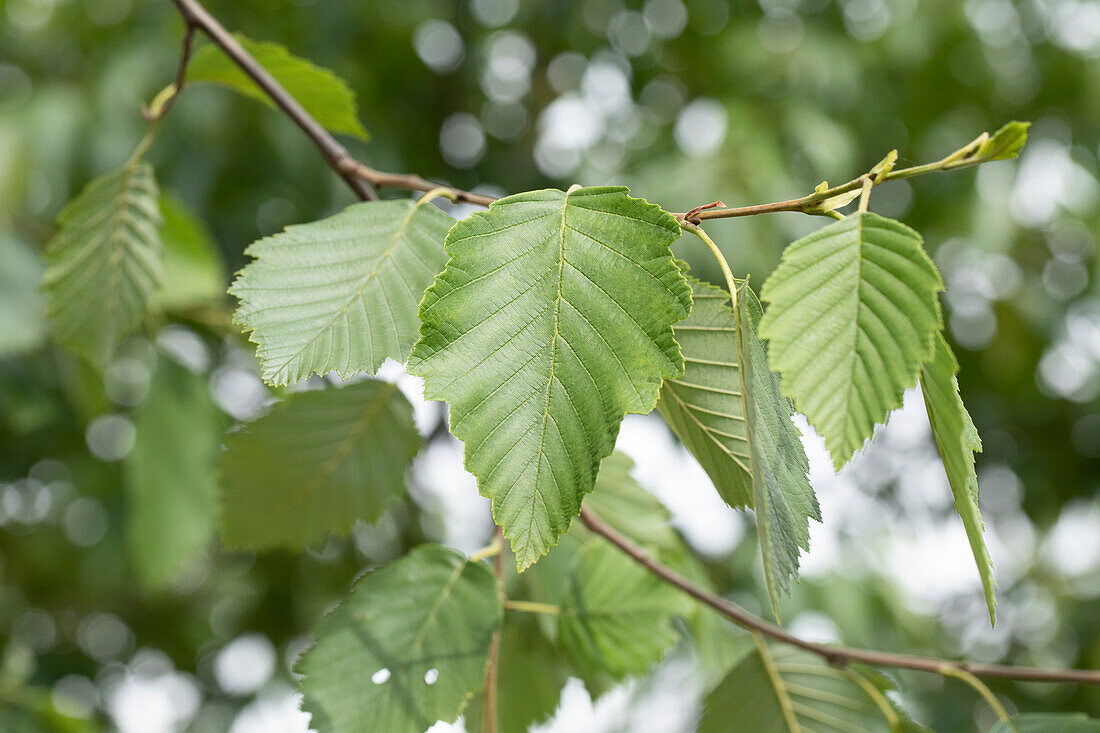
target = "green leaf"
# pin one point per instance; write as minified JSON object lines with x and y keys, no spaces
{"x":706,"y":408}
{"x":171,"y":475}
{"x":23,"y":326}
{"x":616,"y":617}
{"x":958,"y":441}
{"x":778,"y":689}
{"x":406,"y":648}
{"x":551,"y":321}
{"x":324,"y":95}
{"x":620,"y":501}
{"x":1005,"y":143}
{"x":194,"y":273}
{"x":1049,"y":723}
{"x":315,"y":464}
{"x":782,"y":496}
{"x":341,"y":294}
{"x":852,"y":311}
{"x":104,"y":262}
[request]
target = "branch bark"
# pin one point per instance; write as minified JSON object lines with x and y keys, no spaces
{"x":836,"y":655}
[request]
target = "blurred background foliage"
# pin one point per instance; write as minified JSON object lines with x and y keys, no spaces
{"x":686,"y":101}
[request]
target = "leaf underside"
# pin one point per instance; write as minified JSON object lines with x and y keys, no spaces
{"x":852,"y":311}
{"x":315,"y":464}
{"x":551,"y":321}
{"x":324,"y":95}
{"x":958,"y":441}
{"x":105,"y":261}
{"x":1048,"y":723}
{"x":407,"y":647}
{"x":341,"y":294}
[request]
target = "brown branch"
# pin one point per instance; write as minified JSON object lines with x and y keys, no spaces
{"x":194,"y":14}
{"x":836,"y":655}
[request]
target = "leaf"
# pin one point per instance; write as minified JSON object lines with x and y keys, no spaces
{"x":1004,"y":144}
{"x":782,"y":496}
{"x":1049,"y":723}
{"x":324,"y":95}
{"x":23,"y":326}
{"x":315,"y":464}
{"x":341,"y":294}
{"x":616,"y":617}
{"x":778,"y":689}
{"x":104,"y":262}
{"x":706,"y":408}
{"x":194,"y":273}
{"x":958,"y":441}
{"x":852,"y":311}
{"x":551,"y":321}
{"x":530,"y":679}
{"x":620,"y":501}
{"x":171,"y":475}
{"x":407,"y":647}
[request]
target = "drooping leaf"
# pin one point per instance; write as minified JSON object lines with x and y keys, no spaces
{"x":406,"y":648}
{"x":105,"y":261}
{"x":1049,"y":723}
{"x":616,"y":617}
{"x":1005,"y":143}
{"x":782,"y":496}
{"x":194,"y":273}
{"x":704,"y":407}
{"x":852,"y":311}
{"x":323,"y":94}
{"x":22,"y":307}
{"x":315,"y":464}
{"x":530,"y":679}
{"x":958,"y":441}
{"x":707,"y":409}
{"x":171,"y":475}
{"x":341,"y":294}
{"x":778,"y":689}
{"x":551,"y":321}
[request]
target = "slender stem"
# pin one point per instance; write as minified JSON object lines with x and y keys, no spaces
{"x":726,"y":272}
{"x":493,"y":670}
{"x":167,"y":96}
{"x":837,"y":655}
{"x":532,"y":607}
{"x":977,"y":684}
{"x":493,"y":549}
{"x":194,"y":14}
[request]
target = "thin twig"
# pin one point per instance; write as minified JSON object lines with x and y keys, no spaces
{"x":836,"y":655}
{"x":194,"y":14}
{"x":489,"y":725}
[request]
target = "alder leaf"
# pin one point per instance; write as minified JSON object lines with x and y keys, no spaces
{"x":851,"y":315}
{"x":341,"y":294}
{"x":958,"y":441}
{"x":1005,"y":143}
{"x":551,"y":321}
{"x":315,"y":464}
{"x":194,"y":273}
{"x":1048,"y":723}
{"x":620,"y":501}
{"x":779,"y":689}
{"x":171,"y":474}
{"x":104,"y":263}
{"x":406,"y":648}
{"x":616,"y":617}
{"x":323,"y":94}
{"x":706,"y":408}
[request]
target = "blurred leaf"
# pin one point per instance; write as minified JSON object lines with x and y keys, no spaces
{"x":1049,"y":723}
{"x":194,"y":273}
{"x":958,"y":441}
{"x":778,"y":689}
{"x":1005,"y":143}
{"x":22,"y":306}
{"x":852,"y":310}
{"x":551,"y":321}
{"x":315,"y":464}
{"x":341,"y":293}
{"x":407,"y":647}
{"x":324,"y":95}
{"x":171,"y":474}
{"x":626,"y":506}
{"x":105,"y":261}
{"x":616,"y":617}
